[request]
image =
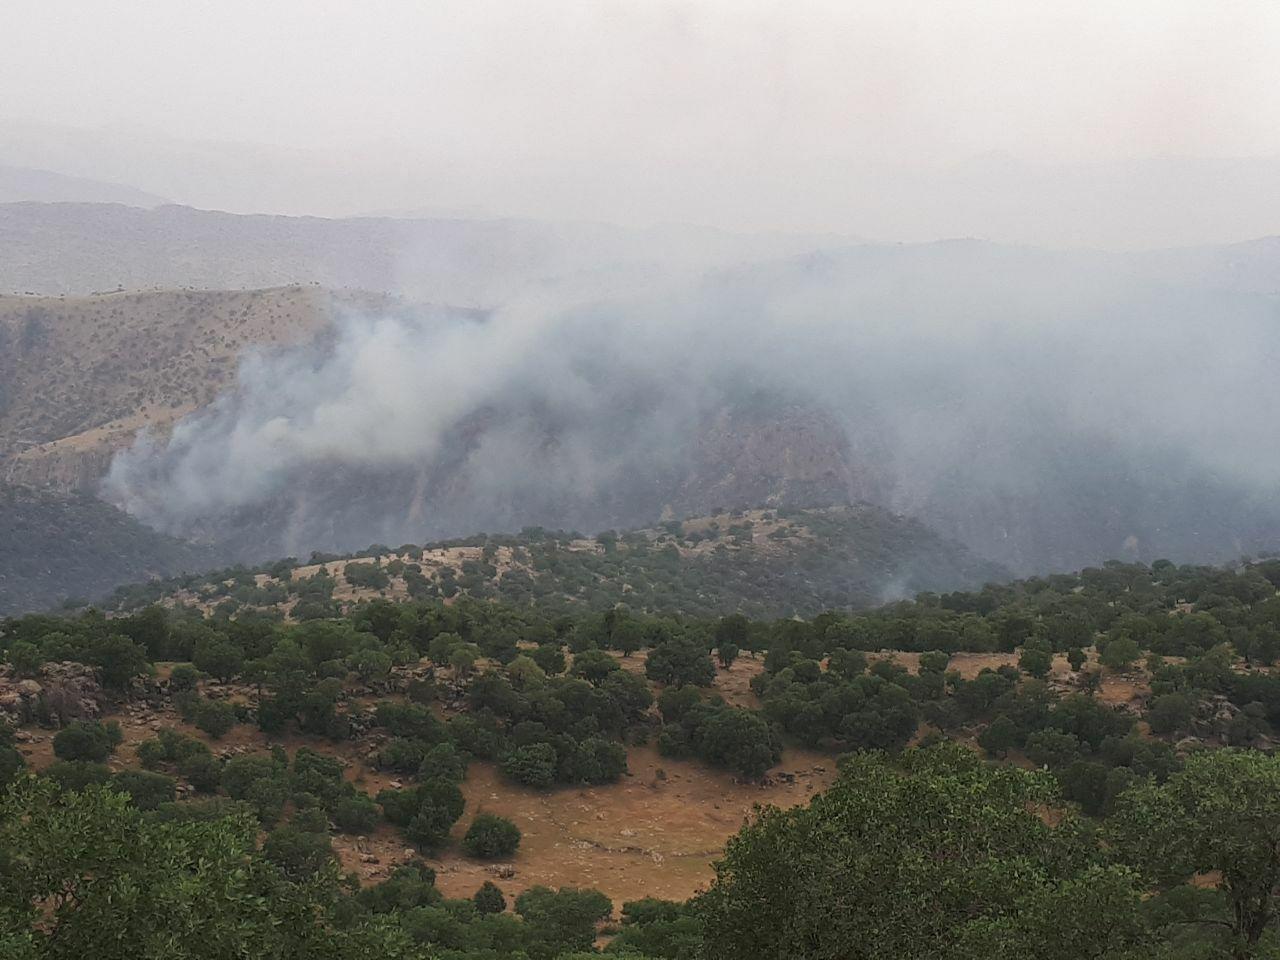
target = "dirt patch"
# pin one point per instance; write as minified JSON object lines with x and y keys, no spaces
{"x":651,"y":834}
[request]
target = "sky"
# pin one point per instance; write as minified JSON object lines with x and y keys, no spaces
{"x":637,"y":110}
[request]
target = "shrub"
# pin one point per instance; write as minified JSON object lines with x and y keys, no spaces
{"x":218,"y":657}
{"x":489,"y":899}
{"x":183,"y":677}
{"x":77,"y":774}
{"x":355,"y":814}
{"x":118,"y":660}
{"x":1120,"y":654}
{"x":533,"y":765}
{"x":147,"y":790}
{"x":491,"y":836}
{"x":87,"y":740}
{"x":214,"y":717}
{"x":298,"y":853}
{"x":1170,"y":713}
{"x":549,"y":657}
{"x":1036,"y":659}
{"x":680,"y":661}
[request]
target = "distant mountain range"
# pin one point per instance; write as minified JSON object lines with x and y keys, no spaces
{"x":45,"y":186}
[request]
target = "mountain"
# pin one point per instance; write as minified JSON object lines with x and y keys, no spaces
{"x":45,"y":186}
{"x":1125,"y":204}
{"x":59,"y":546}
{"x":767,"y":563}
{"x":80,"y":376}
{"x":1050,"y":409}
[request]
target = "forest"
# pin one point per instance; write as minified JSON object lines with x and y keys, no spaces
{"x":1015,"y":812}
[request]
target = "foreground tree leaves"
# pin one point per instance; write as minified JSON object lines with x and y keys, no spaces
{"x":1218,"y":818}
{"x":88,"y":875}
{"x":940,"y":856}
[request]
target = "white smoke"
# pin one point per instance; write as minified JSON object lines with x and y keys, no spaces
{"x":997,"y":380}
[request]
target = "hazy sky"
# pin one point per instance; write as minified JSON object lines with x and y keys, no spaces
{"x":675,"y":92}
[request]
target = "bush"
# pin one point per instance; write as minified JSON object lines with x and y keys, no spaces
{"x":1036,"y":659}
{"x":77,"y":774}
{"x":1170,"y":713}
{"x":147,"y":790}
{"x":300,"y":854}
{"x":489,"y":899}
{"x":594,"y":665}
{"x":214,"y":717}
{"x":1120,"y":654}
{"x":218,"y":657}
{"x":680,"y":661}
{"x":26,"y":658}
{"x":355,"y":814}
{"x":183,"y":677}
{"x":118,"y":660}
{"x":533,"y":765}
{"x":549,"y":657}
{"x":491,"y":836}
{"x":87,"y":740}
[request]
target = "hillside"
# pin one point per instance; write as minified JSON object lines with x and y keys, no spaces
{"x":768,"y":563}
{"x":79,"y":376}
{"x":58,"y":546}
{"x":435,"y":750}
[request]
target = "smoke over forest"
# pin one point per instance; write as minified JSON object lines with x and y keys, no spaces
{"x":1049,"y":409}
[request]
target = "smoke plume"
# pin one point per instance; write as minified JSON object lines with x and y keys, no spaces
{"x":1048,"y":409}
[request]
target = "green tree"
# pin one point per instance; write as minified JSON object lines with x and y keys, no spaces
{"x":90,"y":875}
{"x":218,"y":657}
{"x":1120,"y":654}
{"x":147,"y":790}
{"x":491,"y":837}
{"x":489,"y":899}
{"x":922,"y":860}
{"x":1036,"y":659}
{"x":682,"y":660}
{"x":87,"y":740}
{"x":1220,"y":813}
{"x":533,"y":765}
{"x":118,"y":660}
{"x":214,"y":717}
{"x":1170,"y":713}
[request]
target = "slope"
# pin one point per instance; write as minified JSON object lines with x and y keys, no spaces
{"x":54,"y":546}
{"x":79,"y":376}
{"x":767,"y":563}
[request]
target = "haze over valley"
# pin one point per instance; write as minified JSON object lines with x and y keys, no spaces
{"x":650,"y":479}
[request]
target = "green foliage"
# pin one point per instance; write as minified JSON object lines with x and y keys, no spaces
{"x":183,"y":677}
{"x":1218,"y":814}
{"x":89,"y":875}
{"x":1036,"y":658}
{"x":299,"y":853}
{"x":680,"y":661}
{"x":214,"y":717}
{"x":489,"y":899}
{"x":858,"y":871}
{"x":218,"y":657}
{"x":1119,"y":654}
{"x":147,"y":790}
{"x":87,"y":740}
{"x":562,"y":920}
{"x":118,"y":660}
{"x":491,"y":837}
{"x":533,"y":765}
